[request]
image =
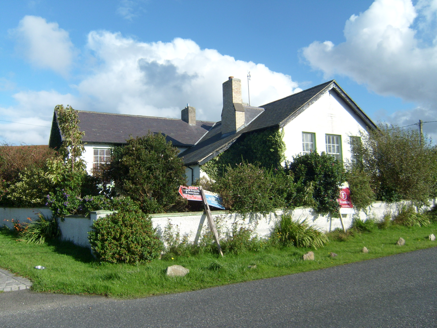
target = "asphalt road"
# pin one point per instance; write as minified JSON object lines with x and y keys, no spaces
{"x":396,"y":291}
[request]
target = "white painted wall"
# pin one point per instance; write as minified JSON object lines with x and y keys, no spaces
{"x":7,"y":214}
{"x":328,"y":115}
{"x":76,"y":229}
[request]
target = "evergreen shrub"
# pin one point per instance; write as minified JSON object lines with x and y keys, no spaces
{"x":321,"y":174}
{"x":126,"y":237}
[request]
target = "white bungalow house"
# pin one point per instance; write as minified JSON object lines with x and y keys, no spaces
{"x":323,"y":118}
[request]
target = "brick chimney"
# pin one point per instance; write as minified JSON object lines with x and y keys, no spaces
{"x":188,"y":114}
{"x":233,"y":115}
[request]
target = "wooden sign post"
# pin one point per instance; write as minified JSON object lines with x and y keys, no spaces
{"x":210,"y":221}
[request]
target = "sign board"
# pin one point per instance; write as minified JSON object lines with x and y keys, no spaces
{"x":193,"y":193}
{"x":345,"y":198}
{"x":213,"y":199}
{"x":190,"y":193}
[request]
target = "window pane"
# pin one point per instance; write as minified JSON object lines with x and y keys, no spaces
{"x":308,"y":142}
{"x":333,"y":146}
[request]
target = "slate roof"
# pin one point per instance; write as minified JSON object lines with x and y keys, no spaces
{"x":277,"y":113}
{"x":117,"y":128}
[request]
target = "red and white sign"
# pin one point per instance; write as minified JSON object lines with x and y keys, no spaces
{"x":190,"y":193}
{"x":345,"y":198}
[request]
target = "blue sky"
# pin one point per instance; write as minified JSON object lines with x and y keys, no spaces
{"x":150,"y":57}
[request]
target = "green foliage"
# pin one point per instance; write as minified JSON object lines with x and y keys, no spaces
{"x":239,"y":239}
{"x":149,"y":171}
{"x":385,"y":223}
{"x":340,"y":235}
{"x":408,"y":217}
{"x":299,"y":234}
{"x":126,"y":237}
{"x":40,"y":230}
{"x":15,"y":159}
{"x":265,"y":149}
{"x":321,"y":174}
{"x":359,"y":225}
{"x":432,"y":214}
{"x":249,"y":188}
{"x":361,"y":193}
{"x":400,"y":165}
{"x":72,"y":147}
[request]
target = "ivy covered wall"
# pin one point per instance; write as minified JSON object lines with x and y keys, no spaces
{"x":265,"y":148}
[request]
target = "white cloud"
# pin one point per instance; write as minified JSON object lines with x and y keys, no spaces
{"x":154,"y":79}
{"x":44,"y":45}
{"x":30,"y":120}
{"x":159,"y":79}
{"x":129,"y":9}
{"x":382,"y":50}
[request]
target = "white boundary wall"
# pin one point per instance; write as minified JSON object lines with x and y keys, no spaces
{"x":76,"y":228}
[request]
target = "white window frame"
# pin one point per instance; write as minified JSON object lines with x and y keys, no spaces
{"x":308,"y":146}
{"x":333,"y":146}
{"x":103,"y":156}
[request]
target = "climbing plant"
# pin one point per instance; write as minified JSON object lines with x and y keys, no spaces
{"x":265,"y":148}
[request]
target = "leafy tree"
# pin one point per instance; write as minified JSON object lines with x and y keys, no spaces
{"x":148,"y":170}
{"x":400,"y":165}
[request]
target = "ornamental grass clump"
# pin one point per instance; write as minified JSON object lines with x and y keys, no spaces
{"x":299,"y":234}
{"x":408,"y":217}
{"x":126,"y":237}
{"x":40,"y":230}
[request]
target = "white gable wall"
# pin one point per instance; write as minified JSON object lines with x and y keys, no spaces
{"x":328,"y":115}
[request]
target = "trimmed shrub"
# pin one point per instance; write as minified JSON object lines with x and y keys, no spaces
{"x":322,"y":174}
{"x":126,"y":237}
{"x":299,"y":234}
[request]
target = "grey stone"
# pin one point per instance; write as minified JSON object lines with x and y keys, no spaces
{"x":308,"y":256}
{"x":401,"y":242}
{"x":431,"y":237}
{"x":252,"y":266}
{"x":365,"y":250}
{"x":177,"y":271}
{"x":333,"y":255}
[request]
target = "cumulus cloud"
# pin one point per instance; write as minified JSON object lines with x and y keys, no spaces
{"x":29,"y":121}
{"x":159,"y":79}
{"x":388,"y":49}
{"x":123,"y":75}
{"x":44,"y":45}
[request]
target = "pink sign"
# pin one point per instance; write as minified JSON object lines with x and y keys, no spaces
{"x":345,"y":198}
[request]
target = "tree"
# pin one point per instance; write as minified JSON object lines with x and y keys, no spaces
{"x":148,"y":170}
{"x":400,"y":165}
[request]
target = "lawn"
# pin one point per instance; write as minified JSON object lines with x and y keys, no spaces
{"x":72,"y":270}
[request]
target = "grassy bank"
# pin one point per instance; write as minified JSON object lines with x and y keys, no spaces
{"x":72,"y":270}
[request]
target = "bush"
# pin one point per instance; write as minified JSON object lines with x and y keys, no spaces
{"x":299,"y":234}
{"x":400,"y":165}
{"x":408,"y":217}
{"x":149,"y":171}
{"x":322,"y":174}
{"x":126,"y":237}
{"x":361,"y":192}
{"x":249,"y":188}
{"x":385,"y":222}
{"x":40,"y":230}
{"x":359,"y":225}
{"x":239,"y":239}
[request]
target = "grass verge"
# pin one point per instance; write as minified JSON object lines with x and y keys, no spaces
{"x":72,"y":270}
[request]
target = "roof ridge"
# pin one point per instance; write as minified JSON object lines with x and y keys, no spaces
{"x":133,"y":115}
{"x":306,"y":90}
